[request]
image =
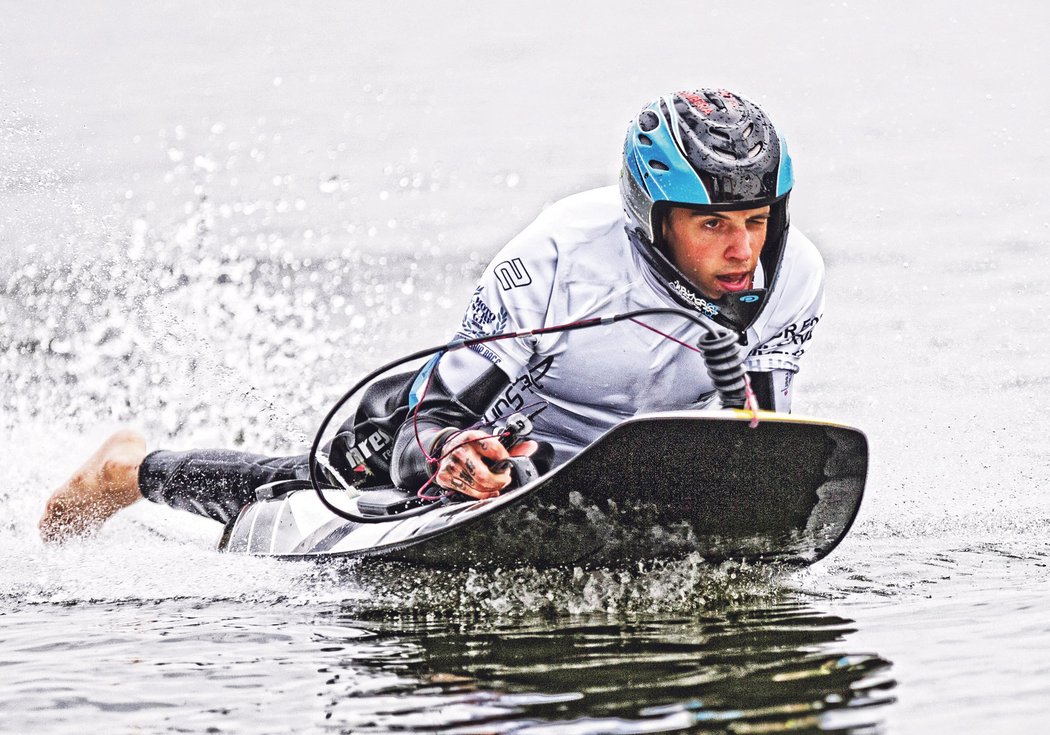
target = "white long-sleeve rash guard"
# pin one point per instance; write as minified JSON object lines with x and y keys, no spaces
{"x":574,"y":262}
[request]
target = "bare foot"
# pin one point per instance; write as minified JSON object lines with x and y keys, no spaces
{"x":107,"y":482}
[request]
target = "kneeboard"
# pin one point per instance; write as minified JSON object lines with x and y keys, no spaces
{"x":657,"y":486}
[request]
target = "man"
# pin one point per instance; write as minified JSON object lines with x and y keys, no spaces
{"x":700,"y":221}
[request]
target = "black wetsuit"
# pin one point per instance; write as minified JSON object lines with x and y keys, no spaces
{"x":217,"y":483}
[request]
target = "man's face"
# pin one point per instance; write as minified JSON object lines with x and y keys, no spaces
{"x":717,"y":251}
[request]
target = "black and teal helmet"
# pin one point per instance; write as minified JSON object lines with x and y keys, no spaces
{"x":711,"y":150}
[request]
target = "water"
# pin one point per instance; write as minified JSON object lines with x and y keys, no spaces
{"x":215,"y":218}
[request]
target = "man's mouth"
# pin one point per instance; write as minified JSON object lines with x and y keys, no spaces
{"x":734,"y":281}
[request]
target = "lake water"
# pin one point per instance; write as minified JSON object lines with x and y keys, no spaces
{"x":215,"y":218}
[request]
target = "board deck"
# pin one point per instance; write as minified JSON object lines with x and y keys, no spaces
{"x":656,"y":486}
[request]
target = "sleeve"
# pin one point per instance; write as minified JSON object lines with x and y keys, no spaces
{"x":773,"y":363}
{"x":773,"y":389}
{"x":513,"y":295}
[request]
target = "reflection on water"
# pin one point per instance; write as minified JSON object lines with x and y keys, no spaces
{"x":358,"y":665}
{"x":782,"y":667}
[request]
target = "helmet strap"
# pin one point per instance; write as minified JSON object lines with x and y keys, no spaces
{"x":736,"y":311}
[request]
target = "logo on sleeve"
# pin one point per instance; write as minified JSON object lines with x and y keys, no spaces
{"x":377,"y":443}
{"x":521,"y":394}
{"x":481,"y":321}
{"x":791,"y":340}
{"x":511,"y":274}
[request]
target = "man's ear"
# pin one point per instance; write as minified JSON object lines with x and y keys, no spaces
{"x":661,"y":217}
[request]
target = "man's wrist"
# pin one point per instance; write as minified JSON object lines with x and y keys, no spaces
{"x":437,"y":442}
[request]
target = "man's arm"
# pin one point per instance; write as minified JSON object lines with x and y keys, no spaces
{"x":439,"y":437}
{"x":438,"y":412}
{"x":512,"y":295}
{"x":772,"y":364}
{"x":772,"y":389}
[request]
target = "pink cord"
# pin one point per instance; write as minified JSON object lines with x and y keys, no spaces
{"x":750,"y":402}
{"x":667,"y":336}
{"x":415,"y":420}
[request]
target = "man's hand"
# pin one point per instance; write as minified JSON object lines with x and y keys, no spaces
{"x":467,"y":461}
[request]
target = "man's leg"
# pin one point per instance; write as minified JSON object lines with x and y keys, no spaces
{"x":214,"y":483}
{"x":107,"y":482}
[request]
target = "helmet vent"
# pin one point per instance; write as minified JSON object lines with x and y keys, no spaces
{"x":715,"y":99}
{"x":648,"y":120}
{"x":704,"y":147}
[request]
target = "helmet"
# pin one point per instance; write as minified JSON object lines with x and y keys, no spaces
{"x":708,"y":149}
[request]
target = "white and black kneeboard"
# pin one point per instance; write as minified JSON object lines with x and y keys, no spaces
{"x":658,"y":486}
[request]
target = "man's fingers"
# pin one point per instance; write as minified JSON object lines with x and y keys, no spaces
{"x":476,"y":464}
{"x":466,"y":471}
{"x":490,"y":448}
{"x":524,"y":449}
{"x":455,"y":480}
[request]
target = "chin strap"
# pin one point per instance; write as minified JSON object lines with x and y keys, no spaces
{"x":735,"y":311}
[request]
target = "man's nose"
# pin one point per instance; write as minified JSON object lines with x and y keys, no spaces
{"x":739,"y":247}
